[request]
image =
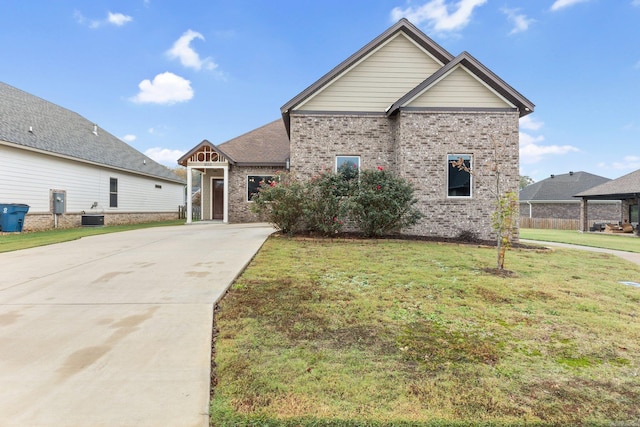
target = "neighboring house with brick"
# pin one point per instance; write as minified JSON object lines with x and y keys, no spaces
{"x":63,"y":166}
{"x":554,"y":197}
{"x":625,"y":189}
{"x":404,"y":103}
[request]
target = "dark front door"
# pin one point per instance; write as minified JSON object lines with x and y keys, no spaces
{"x":218,"y":199}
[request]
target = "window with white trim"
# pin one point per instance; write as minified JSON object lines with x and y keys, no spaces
{"x":459,"y":181}
{"x":113,"y":192}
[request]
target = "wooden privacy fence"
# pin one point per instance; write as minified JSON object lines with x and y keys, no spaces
{"x":550,"y":223}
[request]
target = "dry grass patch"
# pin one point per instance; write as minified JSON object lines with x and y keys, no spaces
{"x":373,"y":333}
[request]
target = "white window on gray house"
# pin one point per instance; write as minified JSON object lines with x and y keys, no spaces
{"x":113,"y":192}
{"x":459,"y":179}
{"x":253,"y":184}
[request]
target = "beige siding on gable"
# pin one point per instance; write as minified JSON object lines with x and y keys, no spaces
{"x":459,"y":88}
{"x":378,"y":80}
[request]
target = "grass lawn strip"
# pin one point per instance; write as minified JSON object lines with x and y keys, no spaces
{"x":620,"y":242}
{"x":350,"y":332}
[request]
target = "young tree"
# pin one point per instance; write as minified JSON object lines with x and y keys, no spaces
{"x":506,"y":205}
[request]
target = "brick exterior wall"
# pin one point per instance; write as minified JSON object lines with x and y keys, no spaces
{"x":415,"y":145}
{"x":239,"y":207}
{"x":46,"y":221}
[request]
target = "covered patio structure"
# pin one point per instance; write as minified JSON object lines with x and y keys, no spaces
{"x":626,"y":189}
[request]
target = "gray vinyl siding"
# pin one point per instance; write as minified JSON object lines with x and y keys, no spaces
{"x":377,"y":81}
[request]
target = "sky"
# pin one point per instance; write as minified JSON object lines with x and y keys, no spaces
{"x":163,"y":75}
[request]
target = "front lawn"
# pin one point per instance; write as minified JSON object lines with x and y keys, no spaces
{"x":382,"y":333}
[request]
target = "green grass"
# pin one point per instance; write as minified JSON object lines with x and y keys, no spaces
{"x":17,"y":241}
{"x":628,"y":243}
{"x":397,"y":333}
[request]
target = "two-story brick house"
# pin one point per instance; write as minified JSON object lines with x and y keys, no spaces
{"x":404,"y":103}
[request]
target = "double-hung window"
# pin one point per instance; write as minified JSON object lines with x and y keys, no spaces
{"x":459,"y":183}
{"x":113,"y":192}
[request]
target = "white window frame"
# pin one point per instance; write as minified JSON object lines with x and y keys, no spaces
{"x":345,"y":156}
{"x":454,"y":157}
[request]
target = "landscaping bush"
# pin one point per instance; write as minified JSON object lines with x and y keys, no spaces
{"x":280,"y":202}
{"x":375,"y":201}
{"x":324,"y":206}
{"x":382,"y":203}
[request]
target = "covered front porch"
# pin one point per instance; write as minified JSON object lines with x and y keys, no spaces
{"x":214,"y":190}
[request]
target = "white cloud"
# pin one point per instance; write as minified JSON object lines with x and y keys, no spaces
{"x":635,"y":3}
{"x":532,"y":151}
{"x":630,"y":163}
{"x":560,"y":4}
{"x":530,"y":123}
{"x":440,"y":15}
{"x":165,"y":156}
{"x":129,"y":138}
{"x":166,"y":88}
{"x":118,"y":19}
{"x":520,"y":21}
{"x":188,"y":57}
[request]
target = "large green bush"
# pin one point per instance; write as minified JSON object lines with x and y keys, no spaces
{"x":280,"y":202}
{"x":375,"y":201}
{"x":325,"y":203}
{"x":382,"y":203}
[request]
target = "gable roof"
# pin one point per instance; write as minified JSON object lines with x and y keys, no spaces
{"x":449,"y":62}
{"x":32,"y":123}
{"x":267,"y":145}
{"x":402,"y":25}
{"x":625,"y":187}
{"x":560,"y":187}
{"x":480,"y":71}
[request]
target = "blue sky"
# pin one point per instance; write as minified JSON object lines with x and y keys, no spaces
{"x":163,"y":75}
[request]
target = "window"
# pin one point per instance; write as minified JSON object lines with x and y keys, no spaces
{"x":348,"y":166}
{"x":253,"y":184}
{"x":459,"y":180}
{"x":113,"y":192}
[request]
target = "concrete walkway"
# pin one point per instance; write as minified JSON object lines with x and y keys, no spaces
{"x":115,"y":330}
{"x":629,"y":256}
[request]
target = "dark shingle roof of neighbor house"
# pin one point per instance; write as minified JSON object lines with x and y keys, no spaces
{"x":627,"y":186}
{"x":561,"y":187}
{"x":35,"y":124}
{"x":267,"y":145}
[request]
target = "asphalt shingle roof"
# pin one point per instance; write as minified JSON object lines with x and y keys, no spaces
{"x":32,"y":122}
{"x":626,"y":186}
{"x":268,"y":145}
{"x":561,"y":187}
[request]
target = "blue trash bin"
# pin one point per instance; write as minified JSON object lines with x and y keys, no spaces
{"x":12,"y":217}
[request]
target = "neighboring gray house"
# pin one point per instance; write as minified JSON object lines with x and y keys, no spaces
{"x":626,"y":189}
{"x":48,"y":152}
{"x":404,"y":103}
{"x":554,"y":198}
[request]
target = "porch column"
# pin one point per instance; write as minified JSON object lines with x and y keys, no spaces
{"x":189,"y":200}
{"x":225,"y":205}
{"x":584,"y":215}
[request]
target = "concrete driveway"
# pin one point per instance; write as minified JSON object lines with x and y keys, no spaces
{"x":115,"y":330}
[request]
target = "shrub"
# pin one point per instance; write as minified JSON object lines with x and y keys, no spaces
{"x":381,"y":203}
{"x":324,"y":205}
{"x":280,"y":202}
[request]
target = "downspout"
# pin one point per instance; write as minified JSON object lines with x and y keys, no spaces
{"x":530,"y":209}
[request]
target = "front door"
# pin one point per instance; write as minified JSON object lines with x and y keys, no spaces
{"x":218,"y":198}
